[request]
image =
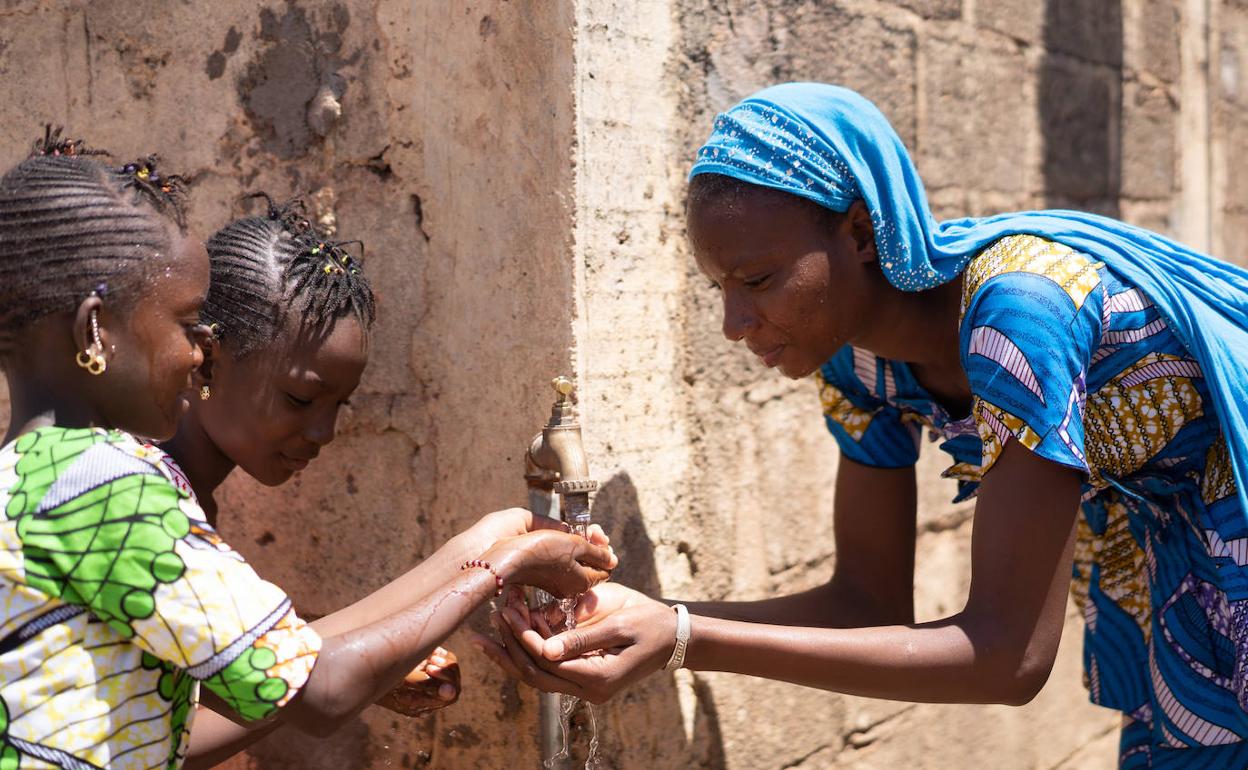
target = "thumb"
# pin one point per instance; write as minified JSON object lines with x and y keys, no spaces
{"x":597,"y":556}
{"x":578,"y":641}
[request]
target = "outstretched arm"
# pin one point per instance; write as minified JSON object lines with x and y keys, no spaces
{"x":356,"y":667}
{"x":998,"y":649}
{"x":873,"y":582}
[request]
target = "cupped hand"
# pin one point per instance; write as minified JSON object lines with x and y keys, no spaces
{"x":432,"y":685}
{"x":621,"y":636}
{"x":560,"y":563}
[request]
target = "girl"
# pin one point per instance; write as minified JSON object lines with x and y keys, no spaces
{"x":118,"y":599}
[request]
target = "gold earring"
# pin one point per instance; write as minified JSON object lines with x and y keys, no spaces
{"x":205,"y":393}
{"x":93,"y":362}
{"x":92,"y":359}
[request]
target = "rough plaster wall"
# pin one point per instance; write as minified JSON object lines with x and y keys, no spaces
{"x":451,"y":160}
{"x":454,"y":158}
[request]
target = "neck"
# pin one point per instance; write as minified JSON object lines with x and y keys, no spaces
{"x":920,"y":328}
{"x":204,"y":464}
{"x":36,"y":404}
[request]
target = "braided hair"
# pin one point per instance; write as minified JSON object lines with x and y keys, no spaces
{"x":70,"y":225}
{"x":264,"y":267}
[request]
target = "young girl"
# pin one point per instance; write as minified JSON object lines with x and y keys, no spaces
{"x":289,"y":344}
{"x":117,"y":599}
{"x":1087,"y":380}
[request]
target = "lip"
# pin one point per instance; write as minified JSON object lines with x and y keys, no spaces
{"x":294,"y":463}
{"x":771,"y":357}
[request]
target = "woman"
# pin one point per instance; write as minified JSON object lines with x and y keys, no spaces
{"x":1072,"y":364}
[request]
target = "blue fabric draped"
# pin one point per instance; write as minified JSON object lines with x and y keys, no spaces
{"x":833,"y":146}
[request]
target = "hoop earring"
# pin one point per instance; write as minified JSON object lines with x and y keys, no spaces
{"x":92,"y":359}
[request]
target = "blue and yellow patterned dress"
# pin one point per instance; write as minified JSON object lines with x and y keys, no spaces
{"x":1079,"y":367}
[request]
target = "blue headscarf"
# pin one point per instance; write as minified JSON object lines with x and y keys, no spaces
{"x":832,"y":146}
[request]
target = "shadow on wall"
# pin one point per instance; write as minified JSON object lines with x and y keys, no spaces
{"x":1080,"y":104}
{"x":638,"y":723}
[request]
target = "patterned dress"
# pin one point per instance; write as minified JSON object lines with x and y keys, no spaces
{"x":1079,"y":367}
{"x":118,"y":602}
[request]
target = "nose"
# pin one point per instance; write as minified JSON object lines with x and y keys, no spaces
{"x":739,"y":316}
{"x":320,"y":429}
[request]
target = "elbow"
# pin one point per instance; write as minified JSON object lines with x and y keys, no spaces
{"x":328,"y":699}
{"x":1010,"y":668}
{"x":1016,"y":679}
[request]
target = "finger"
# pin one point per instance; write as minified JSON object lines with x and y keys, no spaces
{"x":517,"y":602}
{"x":539,"y":622}
{"x":448,"y":692}
{"x":578,"y":641}
{"x":592,"y":577}
{"x":596,"y":535}
{"x":597,"y":556}
{"x":495,"y":652}
{"x":532,"y":673}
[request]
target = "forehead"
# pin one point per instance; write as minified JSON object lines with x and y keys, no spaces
{"x":732,"y":230}
{"x":336,"y":356}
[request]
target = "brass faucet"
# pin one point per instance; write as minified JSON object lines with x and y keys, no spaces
{"x":556,"y":464}
{"x":556,"y":460}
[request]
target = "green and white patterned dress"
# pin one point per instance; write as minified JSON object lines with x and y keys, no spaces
{"x":118,"y":600}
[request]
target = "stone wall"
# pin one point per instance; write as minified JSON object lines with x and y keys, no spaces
{"x":517,"y":170}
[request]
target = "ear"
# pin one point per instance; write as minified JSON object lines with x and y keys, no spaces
{"x":862,"y":231}
{"x":84,"y":336}
{"x":211,"y":346}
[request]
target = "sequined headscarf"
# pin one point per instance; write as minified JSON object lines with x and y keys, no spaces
{"x":833,"y":146}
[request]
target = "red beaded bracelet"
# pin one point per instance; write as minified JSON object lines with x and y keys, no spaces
{"x":485,"y":565}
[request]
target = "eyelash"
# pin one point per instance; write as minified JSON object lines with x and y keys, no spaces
{"x":758,"y":282}
{"x":296,"y":400}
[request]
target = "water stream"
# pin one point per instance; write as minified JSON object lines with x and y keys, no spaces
{"x":568,"y":703}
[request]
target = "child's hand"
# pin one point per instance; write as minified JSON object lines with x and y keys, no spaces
{"x":432,"y":685}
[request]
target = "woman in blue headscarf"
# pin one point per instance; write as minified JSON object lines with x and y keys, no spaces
{"x":1086,"y":378}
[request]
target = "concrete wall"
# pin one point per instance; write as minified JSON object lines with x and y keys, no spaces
{"x":517,"y":170}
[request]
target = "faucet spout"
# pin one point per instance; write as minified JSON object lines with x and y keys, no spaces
{"x":556,"y":459}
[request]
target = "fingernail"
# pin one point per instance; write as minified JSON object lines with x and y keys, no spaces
{"x":446,"y":692}
{"x":433,"y":669}
{"x":438,"y":660}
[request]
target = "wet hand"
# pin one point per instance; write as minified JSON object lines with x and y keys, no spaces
{"x":432,"y":685}
{"x":621,"y":637}
{"x":560,"y":563}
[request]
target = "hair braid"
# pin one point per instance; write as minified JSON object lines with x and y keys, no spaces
{"x":263,"y":267}
{"x":68,"y":228}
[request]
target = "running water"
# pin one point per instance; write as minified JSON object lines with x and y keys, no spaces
{"x":568,"y":703}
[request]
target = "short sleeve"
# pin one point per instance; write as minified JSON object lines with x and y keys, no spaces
{"x":868,"y":429}
{"x":1028,"y":332}
{"x":107,"y":528}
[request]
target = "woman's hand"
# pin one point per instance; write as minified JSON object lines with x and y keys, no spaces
{"x":560,"y":563}
{"x":621,"y":636}
{"x":433,"y":684}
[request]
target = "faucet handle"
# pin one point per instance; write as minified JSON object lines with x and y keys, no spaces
{"x":564,"y":387}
